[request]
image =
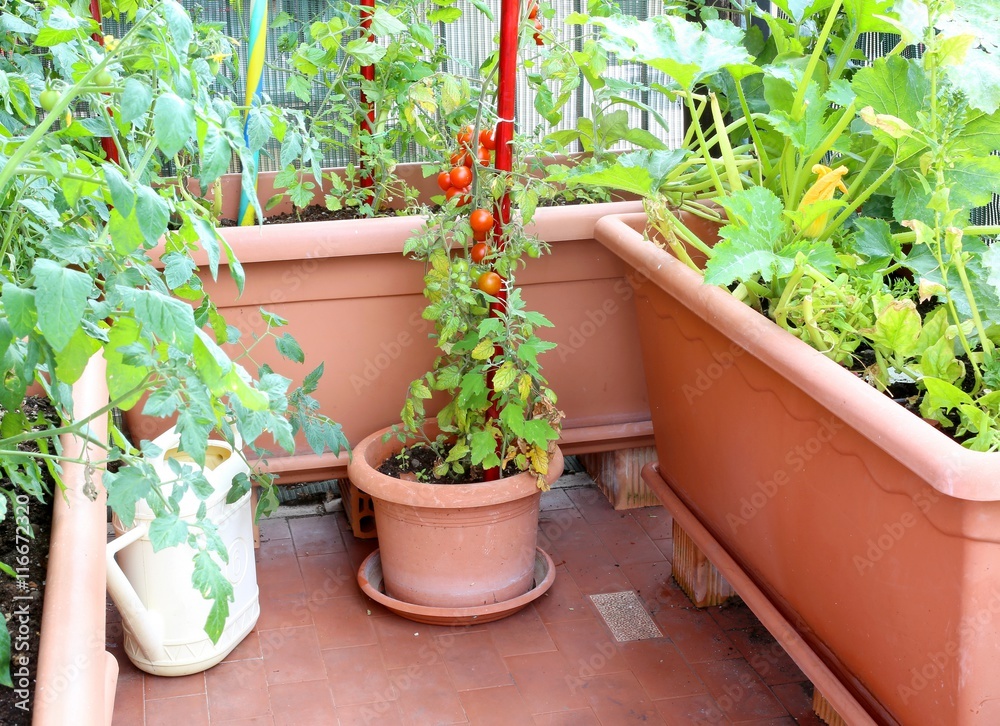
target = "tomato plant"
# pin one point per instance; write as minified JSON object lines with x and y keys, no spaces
{"x":488,"y":345}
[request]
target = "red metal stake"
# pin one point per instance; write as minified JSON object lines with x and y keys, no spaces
{"x":107,"y":143}
{"x":368,"y":73}
{"x":510,"y":20}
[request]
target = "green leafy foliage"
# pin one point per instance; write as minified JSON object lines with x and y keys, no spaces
{"x":79,"y":278}
{"x":791,"y":139}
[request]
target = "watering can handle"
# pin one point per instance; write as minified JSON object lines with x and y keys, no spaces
{"x":144,"y":625}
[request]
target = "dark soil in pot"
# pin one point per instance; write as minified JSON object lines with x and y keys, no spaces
{"x":417,"y":463}
{"x":24,"y":546}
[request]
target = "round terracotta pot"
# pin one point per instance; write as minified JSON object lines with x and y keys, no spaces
{"x":451,"y":545}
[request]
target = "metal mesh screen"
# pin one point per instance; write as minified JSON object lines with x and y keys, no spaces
{"x":468,"y":42}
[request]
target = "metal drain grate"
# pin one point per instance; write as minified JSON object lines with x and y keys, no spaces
{"x":626,"y":617}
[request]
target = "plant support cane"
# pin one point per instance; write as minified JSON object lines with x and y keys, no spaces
{"x":255,"y":71}
{"x":506,"y":106}
{"x":367,"y":104}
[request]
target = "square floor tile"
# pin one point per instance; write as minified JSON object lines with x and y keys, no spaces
{"x":473,"y":660}
{"x":738,"y":690}
{"x":617,"y":698}
{"x":661,"y":670}
{"x":500,"y":706}
{"x":426,"y":695}
{"x":522,"y":632}
{"x":316,"y":535}
{"x":547,"y":682}
{"x":237,"y":690}
{"x":696,"y":635}
{"x":291,"y":655}
{"x":358,"y":676}
{"x":179,"y":710}
{"x":305,"y":702}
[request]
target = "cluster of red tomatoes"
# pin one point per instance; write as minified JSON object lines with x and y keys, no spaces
{"x":457,"y":181}
{"x":481,"y":222}
{"x":533,"y":15}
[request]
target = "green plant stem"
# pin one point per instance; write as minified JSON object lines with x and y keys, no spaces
{"x":972,"y":230}
{"x":704,"y":147}
{"x":758,"y":143}
{"x":73,"y":428}
{"x":984,"y":340}
{"x":732,"y":173}
{"x":814,"y":58}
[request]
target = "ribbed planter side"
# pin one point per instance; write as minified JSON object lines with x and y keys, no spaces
{"x":451,"y":545}
{"x":876,"y":534}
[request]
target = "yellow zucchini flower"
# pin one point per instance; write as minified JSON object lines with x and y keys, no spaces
{"x":822,"y":190}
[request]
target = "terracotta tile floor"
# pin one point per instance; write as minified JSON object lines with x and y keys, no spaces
{"x":323,"y":654}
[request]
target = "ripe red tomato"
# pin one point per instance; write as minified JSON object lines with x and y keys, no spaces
{"x":461,"y":192}
{"x":533,"y":11}
{"x":483,"y":154}
{"x":459,"y":158}
{"x":465,"y":136}
{"x":538,"y":26}
{"x":461,"y":176}
{"x":488,"y":139}
{"x":480,"y":236}
{"x":444,"y":181}
{"x":490,"y":283}
{"x":539,"y":40}
{"x":481,"y":220}
{"x":479,"y":252}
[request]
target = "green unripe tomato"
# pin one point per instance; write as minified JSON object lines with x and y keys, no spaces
{"x":48,"y":99}
{"x":103,"y":78}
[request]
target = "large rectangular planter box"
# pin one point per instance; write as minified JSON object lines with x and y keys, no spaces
{"x":875,"y":534}
{"x":354,"y":303}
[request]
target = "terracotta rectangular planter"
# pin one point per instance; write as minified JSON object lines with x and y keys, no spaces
{"x":876,"y":535}
{"x":354,"y":303}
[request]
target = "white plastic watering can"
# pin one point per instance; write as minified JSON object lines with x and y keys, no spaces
{"x":162,"y":612}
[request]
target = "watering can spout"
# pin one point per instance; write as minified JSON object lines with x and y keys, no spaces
{"x":146,"y":625}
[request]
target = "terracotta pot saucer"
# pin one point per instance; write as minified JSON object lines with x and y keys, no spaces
{"x":370,"y":580}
